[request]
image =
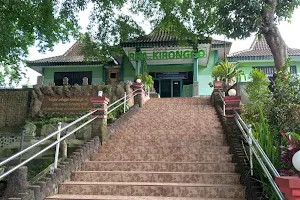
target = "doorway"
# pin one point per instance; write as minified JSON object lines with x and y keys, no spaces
{"x":168,"y":87}
{"x":176,"y":88}
{"x":165,"y":88}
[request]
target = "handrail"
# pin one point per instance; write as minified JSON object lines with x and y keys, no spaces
{"x":259,"y":154}
{"x":46,"y":138}
{"x":45,"y":149}
{"x":126,"y":99}
{"x":59,"y":139}
{"x":222,"y":96}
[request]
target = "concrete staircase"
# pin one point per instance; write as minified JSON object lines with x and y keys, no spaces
{"x":172,"y":149}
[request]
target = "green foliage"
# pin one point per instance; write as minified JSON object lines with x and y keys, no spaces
{"x":266,"y":139}
{"x":117,"y":112}
{"x":280,"y":106}
{"x":268,"y":142}
{"x":258,"y":93}
{"x":228,"y":71}
{"x":187,"y":19}
{"x":107,"y":88}
{"x":48,"y":22}
{"x":275,"y":108}
{"x":283,"y":108}
{"x":146,"y":79}
{"x":54,"y":120}
{"x":36,"y":168}
{"x":22,"y":23}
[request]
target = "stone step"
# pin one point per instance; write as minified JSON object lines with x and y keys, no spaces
{"x":109,"y":197}
{"x":166,"y":143}
{"x":179,"y":116}
{"x":183,"y":130}
{"x":167,"y":150}
{"x":157,"y":177}
{"x":145,"y":115}
{"x":221,"y":158}
{"x":159,"y":166}
{"x":153,"y":189}
{"x":162,"y":137}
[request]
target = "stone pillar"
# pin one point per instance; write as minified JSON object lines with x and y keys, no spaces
{"x":85,"y":81}
{"x":137,"y":67}
{"x":65,"y":81}
{"x":16,"y":183}
{"x":99,"y":125}
{"x":195,"y":78}
{"x":139,"y":98}
{"x":40,"y":81}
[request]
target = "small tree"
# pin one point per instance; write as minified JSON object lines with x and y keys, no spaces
{"x":146,"y":79}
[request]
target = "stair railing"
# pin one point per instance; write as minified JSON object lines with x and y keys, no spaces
{"x":222,"y":96}
{"x":59,"y":139}
{"x":256,"y":150}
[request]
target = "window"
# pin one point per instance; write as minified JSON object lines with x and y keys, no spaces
{"x":74,"y":77}
{"x":269,"y":70}
{"x":113,"y":75}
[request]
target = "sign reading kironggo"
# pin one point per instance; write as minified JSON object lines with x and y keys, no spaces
{"x":167,"y":55}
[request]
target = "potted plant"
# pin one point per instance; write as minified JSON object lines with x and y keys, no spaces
{"x":228,"y":74}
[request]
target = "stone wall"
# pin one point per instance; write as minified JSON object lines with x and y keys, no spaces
{"x":14,"y":106}
{"x":21,"y":190}
{"x":18,"y":104}
{"x":42,"y":94}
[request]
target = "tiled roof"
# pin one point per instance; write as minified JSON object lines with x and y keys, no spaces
{"x":157,"y":37}
{"x":260,"y":48}
{"x":72,"y":55}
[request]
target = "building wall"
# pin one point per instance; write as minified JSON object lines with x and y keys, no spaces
{"x":248,"y":66}
{"x":97,"y":73}
{"x":129,"y":70}
{"x":171,"y":68}
{"x":204,"y":74}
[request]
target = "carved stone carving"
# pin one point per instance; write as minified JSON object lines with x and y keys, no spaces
{"x":47,"y":90}
{"x":66,"y":91}
{"x":59,"y":90}
{"x":77,"y":90}
{"x":36,"y":103}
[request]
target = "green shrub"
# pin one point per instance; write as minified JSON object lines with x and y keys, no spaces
{"x":282,"y":109}
{"x":258,"y":93}
{"x":117,"y":112}
{"x":146,"y":79}
{"x":269,"y":143}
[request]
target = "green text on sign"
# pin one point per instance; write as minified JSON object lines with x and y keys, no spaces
{"x":167,"y":55}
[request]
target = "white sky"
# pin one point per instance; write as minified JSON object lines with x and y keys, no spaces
{"x":289,"y":31}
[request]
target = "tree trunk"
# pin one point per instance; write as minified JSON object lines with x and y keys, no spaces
{"x":273,"y":36}
{"x":277,"y":46}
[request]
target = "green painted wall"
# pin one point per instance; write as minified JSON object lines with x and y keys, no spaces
{"x":96,"y":73}
{"x":129,"y":71}
{"x":248,"y":66}
{"x":171,"y":68}
{"x":204,"y":74}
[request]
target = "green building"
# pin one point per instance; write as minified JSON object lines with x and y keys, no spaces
{"x":259,"y":56}
{"x":177,"y":70}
